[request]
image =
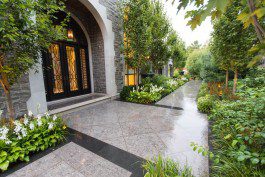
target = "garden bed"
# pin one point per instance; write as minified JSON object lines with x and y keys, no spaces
{"x":152,"y":89}
{"x":29,"y":135}
{"x":237,"y":127}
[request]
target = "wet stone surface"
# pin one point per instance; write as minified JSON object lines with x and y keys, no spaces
{"x":141,"y":130}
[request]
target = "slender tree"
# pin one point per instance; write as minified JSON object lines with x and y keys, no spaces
{"x":231,"y":42}
{"x":177,"y":50}
{"x":160,"y":30}
{"x":137,"y":32}
{"x":26,"y":28}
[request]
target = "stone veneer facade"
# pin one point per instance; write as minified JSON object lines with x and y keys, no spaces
{"x":20,"y":94}
{"x":21,"y":91}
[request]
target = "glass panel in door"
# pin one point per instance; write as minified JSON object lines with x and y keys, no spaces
{"x":72,"y":69}
{"x":57,"y":70}
{"x":84,"y":68}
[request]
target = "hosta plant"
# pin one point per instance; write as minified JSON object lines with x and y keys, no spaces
{"x":29,"y":135}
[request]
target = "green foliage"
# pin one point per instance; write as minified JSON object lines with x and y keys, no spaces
{"x":215,"y":8}
{"x":143,"y":97}
{"x":159,"y":50}
{"x":159,"y":167}
{"x":143,"y":42}
{"x":193,"y":46}
{"x":203,"y":91}
{"x":152,"y":89}
{"x":205,"y":104}
{"x":177,"y":50}
{"x":231,"y":41}
{"x":29,"y":135}
{"x":126,"y":92}
{"x":26,"y":28}
{"x":209,"y":70}
{"x":238,"y":129}
{"x":137,"y":30}
{"x":195,"y":61}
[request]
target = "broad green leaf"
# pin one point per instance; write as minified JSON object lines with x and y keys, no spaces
{"x":4,"y":165}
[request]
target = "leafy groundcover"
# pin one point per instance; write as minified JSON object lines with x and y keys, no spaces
{"x":29,"y":135}
{"x":237,"y":128}
{"x":152,"y":90}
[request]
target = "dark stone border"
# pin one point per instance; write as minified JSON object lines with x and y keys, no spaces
{"x":152,"y":104}
{"x":124,"y":159}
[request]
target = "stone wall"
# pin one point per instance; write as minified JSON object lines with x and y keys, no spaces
{"x":20,"y":94}
{"x":113,"y":15}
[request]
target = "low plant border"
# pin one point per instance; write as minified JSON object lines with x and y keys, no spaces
{"x":155,"y":102}
{"x":122,"y":158}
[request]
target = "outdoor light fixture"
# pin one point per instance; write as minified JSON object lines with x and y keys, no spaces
{"x":70,"y":34}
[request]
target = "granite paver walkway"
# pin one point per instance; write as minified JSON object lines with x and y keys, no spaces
{"x":142,"y":131}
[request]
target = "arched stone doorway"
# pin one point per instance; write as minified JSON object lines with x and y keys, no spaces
{"x":66,"y":64}
{"x":99,"y":26}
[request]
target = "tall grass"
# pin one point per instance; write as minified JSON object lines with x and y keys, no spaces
{"x":160,"y":167}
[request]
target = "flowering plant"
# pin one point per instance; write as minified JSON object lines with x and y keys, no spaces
{"x":28,"y":135}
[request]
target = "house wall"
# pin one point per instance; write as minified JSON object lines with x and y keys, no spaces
{"x":113,"y":15}
{"x":20,"y":93}
{"x":101,"y":22}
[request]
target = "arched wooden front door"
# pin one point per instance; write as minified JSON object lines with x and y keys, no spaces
{"x":66,"y":65}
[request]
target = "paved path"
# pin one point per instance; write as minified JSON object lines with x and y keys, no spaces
{"x":122,"y":133}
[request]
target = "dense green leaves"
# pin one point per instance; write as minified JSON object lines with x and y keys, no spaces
{"x":26,"y":28}
{"x":29,"y":135}
{"x":231,"y":42}
{"x":238,"y":133}
{"x":148,"y":36}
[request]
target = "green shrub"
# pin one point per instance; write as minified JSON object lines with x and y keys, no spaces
{"x":143,"y":97}
{"x":165,"y":168}
{"x":29,"y":135}
{"x":176,"y":75}
{"x":239,"y":131}
{"x":126,"y":92}
{"x":205,"y":104}
{"x":203,"y":91}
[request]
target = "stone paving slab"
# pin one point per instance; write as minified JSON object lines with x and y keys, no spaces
{"x":142,"y":130}
{"x":71,"y":160}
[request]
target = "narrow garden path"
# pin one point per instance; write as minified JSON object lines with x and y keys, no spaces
{"x":113,"y":138}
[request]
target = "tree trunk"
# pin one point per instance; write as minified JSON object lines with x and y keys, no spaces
{"x":258,"y":28}
{"x":226,"y":79}
{"x":6,"y":86}
{"x":235,"y":82}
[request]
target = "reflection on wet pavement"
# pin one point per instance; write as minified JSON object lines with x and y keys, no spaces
{"x":143,"y":131}
{"x":148,"y":131}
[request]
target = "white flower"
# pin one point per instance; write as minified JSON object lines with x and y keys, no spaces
{"x":26,"y":121}
{"x":8,"y":142}
{"x":155,"y":89}
{"x":24,"y":132}
{"x":54,"y":118}
{"x":38,"y":116}
{"x":39,"y":122}
{"x":3,"y":137}
{"x":4,"y":130}
{"x":31,"y":126}
{"x":47,"y":115}
{"x":19,"y":137}
{"x":18,"y":127}
{"x":3,"y":133}
{"x":30,"y":114}
{"x":50,"y":125}
{"x":1,"y":112}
